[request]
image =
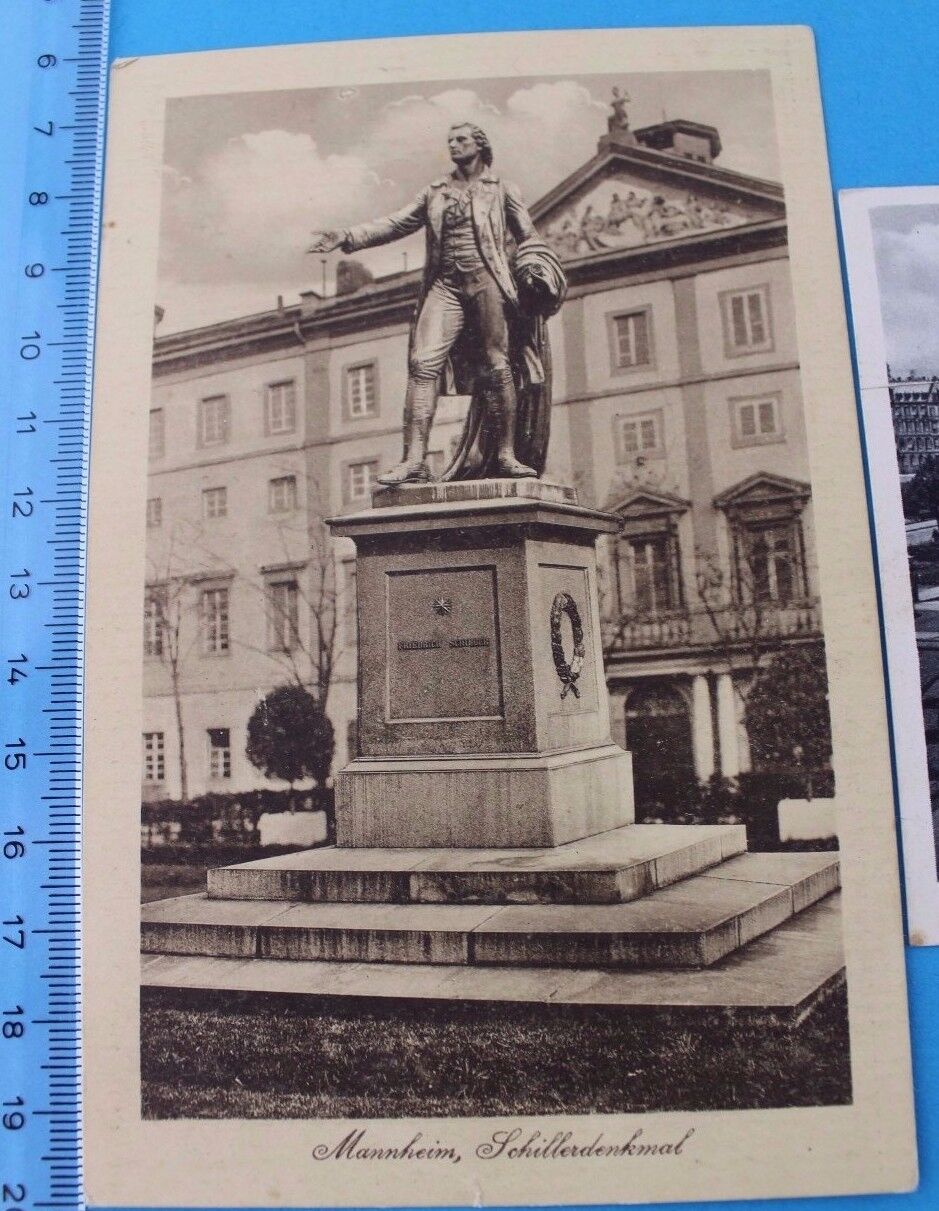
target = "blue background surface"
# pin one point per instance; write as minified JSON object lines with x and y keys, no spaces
{"x":879,"y":66}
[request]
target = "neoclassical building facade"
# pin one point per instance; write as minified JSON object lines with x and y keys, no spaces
{"x":677,"y":406}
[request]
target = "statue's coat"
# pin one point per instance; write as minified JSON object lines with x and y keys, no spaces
{"x":506,"y":238}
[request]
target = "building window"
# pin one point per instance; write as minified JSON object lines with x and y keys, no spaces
{"x":214,"y":419}
{"x":773,"y":558}
{"x":755,"y":422}
{"x":360,"y":479}
{"x":764,"y":515}
{"x":154,"y":759}
{"x":361,"y":391}
{"x":214,"y":503}
{"x":215,"y":621}
{"x":638,"y":434}
{"x":157,"y":443}
{"x":282,"y":494}
{"x":154,"y":513}
{"x":153,"y":626}
{"x":219,"y":752}
{"x":647,"y":574}
{"x":280,"y":407}
{"x":747,"y":326}
{"x":630,"y":338}
{"x":282,"y":615}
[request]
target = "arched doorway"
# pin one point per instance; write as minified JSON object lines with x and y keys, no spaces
{"x":658,"y":734}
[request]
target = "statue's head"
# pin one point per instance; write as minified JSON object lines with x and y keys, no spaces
{"x":466,"y":141}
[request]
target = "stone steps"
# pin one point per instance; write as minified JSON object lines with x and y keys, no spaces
{"x":613,"y":867}
{"x":781,"y":975}
{"x":694,"y":922}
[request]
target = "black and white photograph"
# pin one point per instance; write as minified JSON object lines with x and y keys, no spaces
{"x":488,"y":731}
{"x":891,"y":245}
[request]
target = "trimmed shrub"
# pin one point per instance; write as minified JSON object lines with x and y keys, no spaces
{"x":290,"y":736}
{"x":788,"y":720}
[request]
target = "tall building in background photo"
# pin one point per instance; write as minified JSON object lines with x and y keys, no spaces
{"x":914,"y":404}
{"x":677,"y":407}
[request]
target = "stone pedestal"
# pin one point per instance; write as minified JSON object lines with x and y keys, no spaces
{"x":484,"y":718}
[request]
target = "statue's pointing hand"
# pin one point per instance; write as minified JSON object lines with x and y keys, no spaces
{"x":326,"y":241}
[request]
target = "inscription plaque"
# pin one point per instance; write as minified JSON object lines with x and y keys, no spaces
{"x":443,"y":664}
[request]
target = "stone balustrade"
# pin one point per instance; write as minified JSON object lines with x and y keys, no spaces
{"x":738,"y":625}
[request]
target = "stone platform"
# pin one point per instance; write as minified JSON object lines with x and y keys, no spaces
{"x":781,"y":976}
{"x":611,"y":913}
{"x":608,"y":868}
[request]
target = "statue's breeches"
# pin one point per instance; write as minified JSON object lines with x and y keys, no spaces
{"x":447,"y":306}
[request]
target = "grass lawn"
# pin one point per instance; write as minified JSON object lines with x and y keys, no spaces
{"x":160,"y":882}
{"x":263,"y":1058}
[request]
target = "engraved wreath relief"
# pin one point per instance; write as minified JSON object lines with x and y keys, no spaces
{"x":567,"y":669}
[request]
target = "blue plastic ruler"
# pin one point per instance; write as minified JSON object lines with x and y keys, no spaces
{"x":53,"y":60}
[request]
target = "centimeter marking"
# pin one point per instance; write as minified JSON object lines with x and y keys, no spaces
{"x":53,"y":59}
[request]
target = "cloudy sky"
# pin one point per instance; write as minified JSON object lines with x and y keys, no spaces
{"x":906,"y":248}
{"x":248,"y":176}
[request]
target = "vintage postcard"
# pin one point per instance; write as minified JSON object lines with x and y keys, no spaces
{"x":494,"y":805}
{"x":890,"y":238}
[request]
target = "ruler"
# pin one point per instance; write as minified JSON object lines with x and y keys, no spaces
{"x":53,"y":59}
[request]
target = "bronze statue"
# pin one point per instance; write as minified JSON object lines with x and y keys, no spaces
{"x":489,"y":284}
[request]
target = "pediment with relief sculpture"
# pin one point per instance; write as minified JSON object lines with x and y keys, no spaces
{"x":629,"y":198}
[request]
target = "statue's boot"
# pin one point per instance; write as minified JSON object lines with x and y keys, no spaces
{"x":502,"y":409}
{"x":419,"y":406}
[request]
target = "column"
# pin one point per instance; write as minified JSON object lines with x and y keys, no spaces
{"x":727,"y":726}
{"x":702,"y":731}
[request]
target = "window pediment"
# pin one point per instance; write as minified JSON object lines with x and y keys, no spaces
{"x":764,"y":493}
{"x":649,"y":511}
{"x":648,"y":502}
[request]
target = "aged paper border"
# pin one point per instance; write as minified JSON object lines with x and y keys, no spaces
{"x":866,"y":1146}
{"x":906,"y":709}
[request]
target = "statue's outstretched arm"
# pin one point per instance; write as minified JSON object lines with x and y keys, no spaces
{"x":395,"y":226}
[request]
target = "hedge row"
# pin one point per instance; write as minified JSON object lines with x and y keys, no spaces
{"x":225,"y":817}
{"x":751,"y":799}
{"x":215,"y":820}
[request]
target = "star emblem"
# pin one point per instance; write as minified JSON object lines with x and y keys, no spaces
{"x":443,"y":606}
